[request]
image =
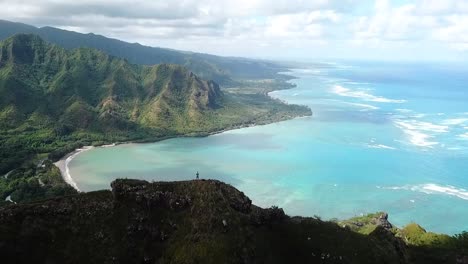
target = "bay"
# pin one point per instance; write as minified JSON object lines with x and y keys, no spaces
{"x":384,"y":137}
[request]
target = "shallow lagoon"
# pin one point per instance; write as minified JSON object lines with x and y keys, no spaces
{"x":384,"y":137}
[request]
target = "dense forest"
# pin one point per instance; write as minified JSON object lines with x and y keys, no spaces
{"x":227,"y":71}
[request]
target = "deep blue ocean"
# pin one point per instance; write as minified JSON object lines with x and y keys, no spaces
{"x":383,"y":137}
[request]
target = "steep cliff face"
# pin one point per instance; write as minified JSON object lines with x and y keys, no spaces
{"x":224,"y":70}
{"x":182,"y":222}
{"x":86,"y":88}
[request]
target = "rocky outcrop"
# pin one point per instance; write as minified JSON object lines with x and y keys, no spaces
{"x":382,"y":221}
{"x":200,"y":221}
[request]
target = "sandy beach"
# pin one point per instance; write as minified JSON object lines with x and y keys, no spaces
{"x":62,"y":164}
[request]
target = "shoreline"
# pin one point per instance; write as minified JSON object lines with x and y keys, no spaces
{"x":63,"y":162}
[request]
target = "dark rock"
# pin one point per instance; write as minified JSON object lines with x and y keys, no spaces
{"x":267,"y":216}
{"x":462,"y":259}
{"x":200,"y":221}
{"x":382,"y":221}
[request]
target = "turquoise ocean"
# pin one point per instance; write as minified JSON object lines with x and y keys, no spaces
{"x":383,"y":137}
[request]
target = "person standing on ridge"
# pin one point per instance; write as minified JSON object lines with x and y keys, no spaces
{"x":198,"y":175}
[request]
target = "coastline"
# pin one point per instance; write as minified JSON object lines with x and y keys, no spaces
{"x":62,"y":163}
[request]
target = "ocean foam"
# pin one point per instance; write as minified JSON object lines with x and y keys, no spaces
{"x":415,"y":130}
{"x":463,"y":136}
{"x":380,"y":146}
{"x":108,"y":146}
{"x":419,"y":139}
{"x":403,"y":110}
{"x":67,"y":175}
{"x":420,"y":125}
{"x":303,"y":71}
{"x":432,"y":188}
{"x":361,"y":94}
{"x":366,"y":106}
{"x":455,"y":121}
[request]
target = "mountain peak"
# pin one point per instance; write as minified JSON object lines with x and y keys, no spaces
{"x":22,"y":48}
{"x":77,"y":85}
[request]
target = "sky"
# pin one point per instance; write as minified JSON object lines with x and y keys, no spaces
{"x":284,"y":29}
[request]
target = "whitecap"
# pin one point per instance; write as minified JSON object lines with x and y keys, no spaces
{"x":357,"y":83}
{"x":454,"y":121}
{"x":419,"y":139}
{"x":415,"y":130}
{"x":453,"y":148}
{"x":403,"y":110}
{"x":362,"y":94}
{"x":366,"y":106}
{"x":380,"y":146}
{"x":424,"y":126}
{"x":419,"y":115}
{"x":303,"y":71}
{"x":395,"y":188}
{"x":463,"y":136}
{"x":432,"y":188}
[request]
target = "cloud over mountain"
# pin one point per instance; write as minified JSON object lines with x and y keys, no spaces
{"x":263,"y":28}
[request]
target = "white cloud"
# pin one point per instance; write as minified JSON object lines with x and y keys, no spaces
{"x":263,"y":27}
{"x":445,"y":7}
{"x":455,"y":32}
{"x":424,"y":22}
{"x":393,"y":23}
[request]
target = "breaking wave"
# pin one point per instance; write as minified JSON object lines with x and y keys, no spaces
{"x":432,"y":188}
{"x":362,"y":94}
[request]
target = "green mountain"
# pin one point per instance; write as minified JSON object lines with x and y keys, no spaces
{"x":224,"y":70}
{"x":53,"y":100}
{"x":200,"y":221}
{"x":88,"y":89}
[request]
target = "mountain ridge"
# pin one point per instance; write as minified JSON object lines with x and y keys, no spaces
{"x":198,"y":221}
{"x":111,"y":84}
{"x":54,"y":100}
{"x":224,"y":70}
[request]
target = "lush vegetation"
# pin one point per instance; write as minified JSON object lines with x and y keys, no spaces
{"x":54,"y":100}
{"x":197,"y":222}
{"x":223,"y":70}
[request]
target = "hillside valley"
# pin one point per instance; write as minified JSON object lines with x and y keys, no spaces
{"x":54,"y":100}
